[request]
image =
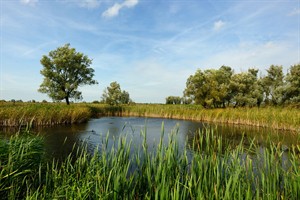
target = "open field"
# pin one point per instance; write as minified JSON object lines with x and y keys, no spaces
{"x":53,"y":113}
{"x":216,"y":170}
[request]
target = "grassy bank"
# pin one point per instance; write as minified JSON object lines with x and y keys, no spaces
{"x":217,"y":170}
{"x":274,"y":117}
{"x":50,"y":114}
{"x":18,"y":114}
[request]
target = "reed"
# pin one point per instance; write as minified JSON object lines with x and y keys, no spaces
{"x":285,"y":118}
{"x":211,"y":169}
{"x":38,"y":114}
{"x":21,"y":159}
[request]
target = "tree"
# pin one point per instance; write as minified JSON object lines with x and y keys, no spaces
{"x":173,"y":100}
{"x":195,"y":88}
{"x":293,"y":84}
{"x":245,"y":89}
{"x":209,"y":88}
{"x":273,"y":85}
{"x":113,"y":95}
{"x":64,"y":70}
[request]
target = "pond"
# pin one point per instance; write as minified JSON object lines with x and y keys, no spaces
{"x":60,"y":140}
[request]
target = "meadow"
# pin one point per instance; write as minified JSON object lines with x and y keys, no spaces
{"x":216,"y":169}
{"x":36,"y":114}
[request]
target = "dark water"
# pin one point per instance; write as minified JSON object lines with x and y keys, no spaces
{"x":60,"y":140}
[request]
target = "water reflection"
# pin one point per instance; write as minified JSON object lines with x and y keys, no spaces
{"x":60,"y":140}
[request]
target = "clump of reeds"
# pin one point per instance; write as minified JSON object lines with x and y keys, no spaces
{"x":211,"y":168}
{"x":40,"y":114}
{"x":21,"y":159}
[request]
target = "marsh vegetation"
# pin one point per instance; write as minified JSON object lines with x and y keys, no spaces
{"x":217,"y":169}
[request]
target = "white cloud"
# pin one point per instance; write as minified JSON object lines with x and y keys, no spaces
{"x":130,"y":3}
{"x":112,"y":11}
{"x":218,"y":25}
{"x":29,"y":2}
{"x":115,"y":9}
{"x":89,"y":3}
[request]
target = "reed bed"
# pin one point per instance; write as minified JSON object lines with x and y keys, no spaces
{"x":285,"y":118}
{"x":38,"y":114}
{"x":210,"y":168}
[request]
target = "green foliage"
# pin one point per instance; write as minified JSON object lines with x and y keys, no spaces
{"x":245,"y":89}
{"x":173,"y":100}
{"x":113,"y":95}
{"x":64,"y":70}
{"x":220,"y":88}
{"x":21,"y":164}
{"x":273,"y":85}
{"x":209,"y":88}
{"x":293,"y":84}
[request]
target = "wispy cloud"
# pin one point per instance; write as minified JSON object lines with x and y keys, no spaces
{"x":294,"y":12}
{"x":112,"y":11}
{"x":218,"y":25}
{"x":115,"y":9}
{"x":260,"y":55}
{"x":29,"y":2}
{"x":89,"y":3}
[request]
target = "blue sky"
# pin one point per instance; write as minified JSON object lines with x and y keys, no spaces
{"x":150,"y":47}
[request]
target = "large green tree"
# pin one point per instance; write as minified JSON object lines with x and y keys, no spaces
{"x":210,"y":88}
{"x":246,"y":89}
{"x":292,"y":92}
{"x":273,"y":85}
{"x":64,"y":70}
{"x":113,"y":95}
{"x":195,"y":88}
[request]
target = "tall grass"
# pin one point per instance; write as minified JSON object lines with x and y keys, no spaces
{"x":214,"y":169}
{"x":21,"y":159}
{"x":286,"y":118}
{"x":42,"y":114}
{"x":275,"y":117}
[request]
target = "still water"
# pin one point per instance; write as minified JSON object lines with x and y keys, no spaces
{"x":60,"y":140}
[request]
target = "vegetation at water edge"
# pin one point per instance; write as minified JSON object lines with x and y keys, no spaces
{"x":211,"y":168}
{"x":16,"y":114}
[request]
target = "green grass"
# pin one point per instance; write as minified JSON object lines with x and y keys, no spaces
{"x":216,"y":169}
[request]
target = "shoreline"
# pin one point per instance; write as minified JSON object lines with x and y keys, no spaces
{"x":27,"y":114}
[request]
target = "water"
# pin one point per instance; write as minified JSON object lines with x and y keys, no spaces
{"x":60,"y":140}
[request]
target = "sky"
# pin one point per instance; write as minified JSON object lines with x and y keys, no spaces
{"x":150,"y":47}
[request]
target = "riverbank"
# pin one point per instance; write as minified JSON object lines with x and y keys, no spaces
{"x":47,"y":114}
{"x":273,"y":117}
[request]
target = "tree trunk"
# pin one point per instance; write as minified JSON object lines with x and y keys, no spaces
{"x":67,"y":100}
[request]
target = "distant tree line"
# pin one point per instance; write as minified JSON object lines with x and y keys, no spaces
{"x":214,"y":88}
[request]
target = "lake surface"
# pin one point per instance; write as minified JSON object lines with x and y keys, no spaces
{"x":60,"y":140}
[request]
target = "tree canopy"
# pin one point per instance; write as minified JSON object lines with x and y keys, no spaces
{"x":64,"y":70}
{"x":113,"y":95}
{"x":222,"y":87}
{"x":173,"y":100}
